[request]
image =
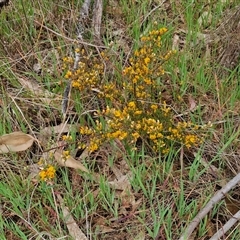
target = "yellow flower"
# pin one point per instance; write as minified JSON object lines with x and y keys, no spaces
{"x":138,"y":112}
{"x":152,"y":136}
{"x":77,"y":50}
{"x":66,"y":153}
{"x":66,"y":138}
{"x":165,"y":109}
{"x":147,"y":60}
{"x":93,"y":146}
{"x":154,"y":107}
{"x":68,"y":74}
{"x":43,"y":175}
{"x":50,"y":172}
{"x":47,"y":173}
{"x":132,"y":105}
{"x":191,"y":140}
{"x":123,"y":135}
{"x":135,"y":135}
{"x":117,"y":113}
{"x":76,"y":84}
{"x":86,"y":130}
{"x":162,"y":30}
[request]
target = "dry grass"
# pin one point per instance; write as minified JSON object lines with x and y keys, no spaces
{"x":129,"y":193}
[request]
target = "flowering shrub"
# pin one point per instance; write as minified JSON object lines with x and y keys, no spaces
{"x":134,"y":107}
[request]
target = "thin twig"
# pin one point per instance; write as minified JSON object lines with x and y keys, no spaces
{"x":215,"y":199}
{"x":56,"y":209}
{"x":153,"y":10}
{"x":70,"y":39}
{"x":65,"y":99}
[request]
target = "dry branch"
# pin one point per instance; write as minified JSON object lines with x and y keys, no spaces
{"x":226,"y":227}
{"x":65,"y":99}
{"x":215,"y":199}
{"x":84,"y":13}
{"x":97,"y":19}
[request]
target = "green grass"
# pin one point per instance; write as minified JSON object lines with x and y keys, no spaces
{"x":161,"y":193}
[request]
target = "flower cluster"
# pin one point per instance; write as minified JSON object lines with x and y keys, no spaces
{"x":87,"y":75}
{"x":146,"y":66}
{"x":135,"y":108}
{"x":47,"y":173}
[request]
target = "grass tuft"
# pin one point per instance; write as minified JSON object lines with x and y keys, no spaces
{"x":152,"y":113}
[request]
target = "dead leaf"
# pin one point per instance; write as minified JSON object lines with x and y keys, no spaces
{"x":192,"y":103}
{"x":34,"y":87}
{"x":72,"y":226}
{"x":70,"y":162}
{"x":104,"y":229}
{"x":122,"y":183}
{"x":176,"y":42}
{"x":101,"y":225}
{"x":128,"y":200}
{"x":15,"y":142}
{"x":47,"y":132}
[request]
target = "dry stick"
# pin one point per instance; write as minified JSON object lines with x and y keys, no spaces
{"x":84,"y":13}
{"x":153,"y":10}
{"x":67,"y":90}
{"x":97,"y":19}
{"x":65,"y":99}
{"x":96,"y":25}
{"x":56,"y":210}
{"x":226,"y":227}
{"x":215,"y":199}
{"x":69,"y":39}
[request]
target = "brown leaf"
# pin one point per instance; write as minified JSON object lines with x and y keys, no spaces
{"x":47,"y":132}
{"x":122,"y":183}
{"x":34,"y":87}
{"x":70,"y":162}
{"x":104,"y":229}
{"x":192,"y":103}
{"x":101,"y":225}
{"x":73,"y":229}
{"x":15,"y":142}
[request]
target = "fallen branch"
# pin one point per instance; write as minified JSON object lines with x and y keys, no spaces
{"x":84,"y":13}
{"x":97,"y":20}
{"x":215,"y":199}
{"x":226,"y":227}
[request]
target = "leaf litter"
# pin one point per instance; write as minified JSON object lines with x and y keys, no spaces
{"x":119,"y":179}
